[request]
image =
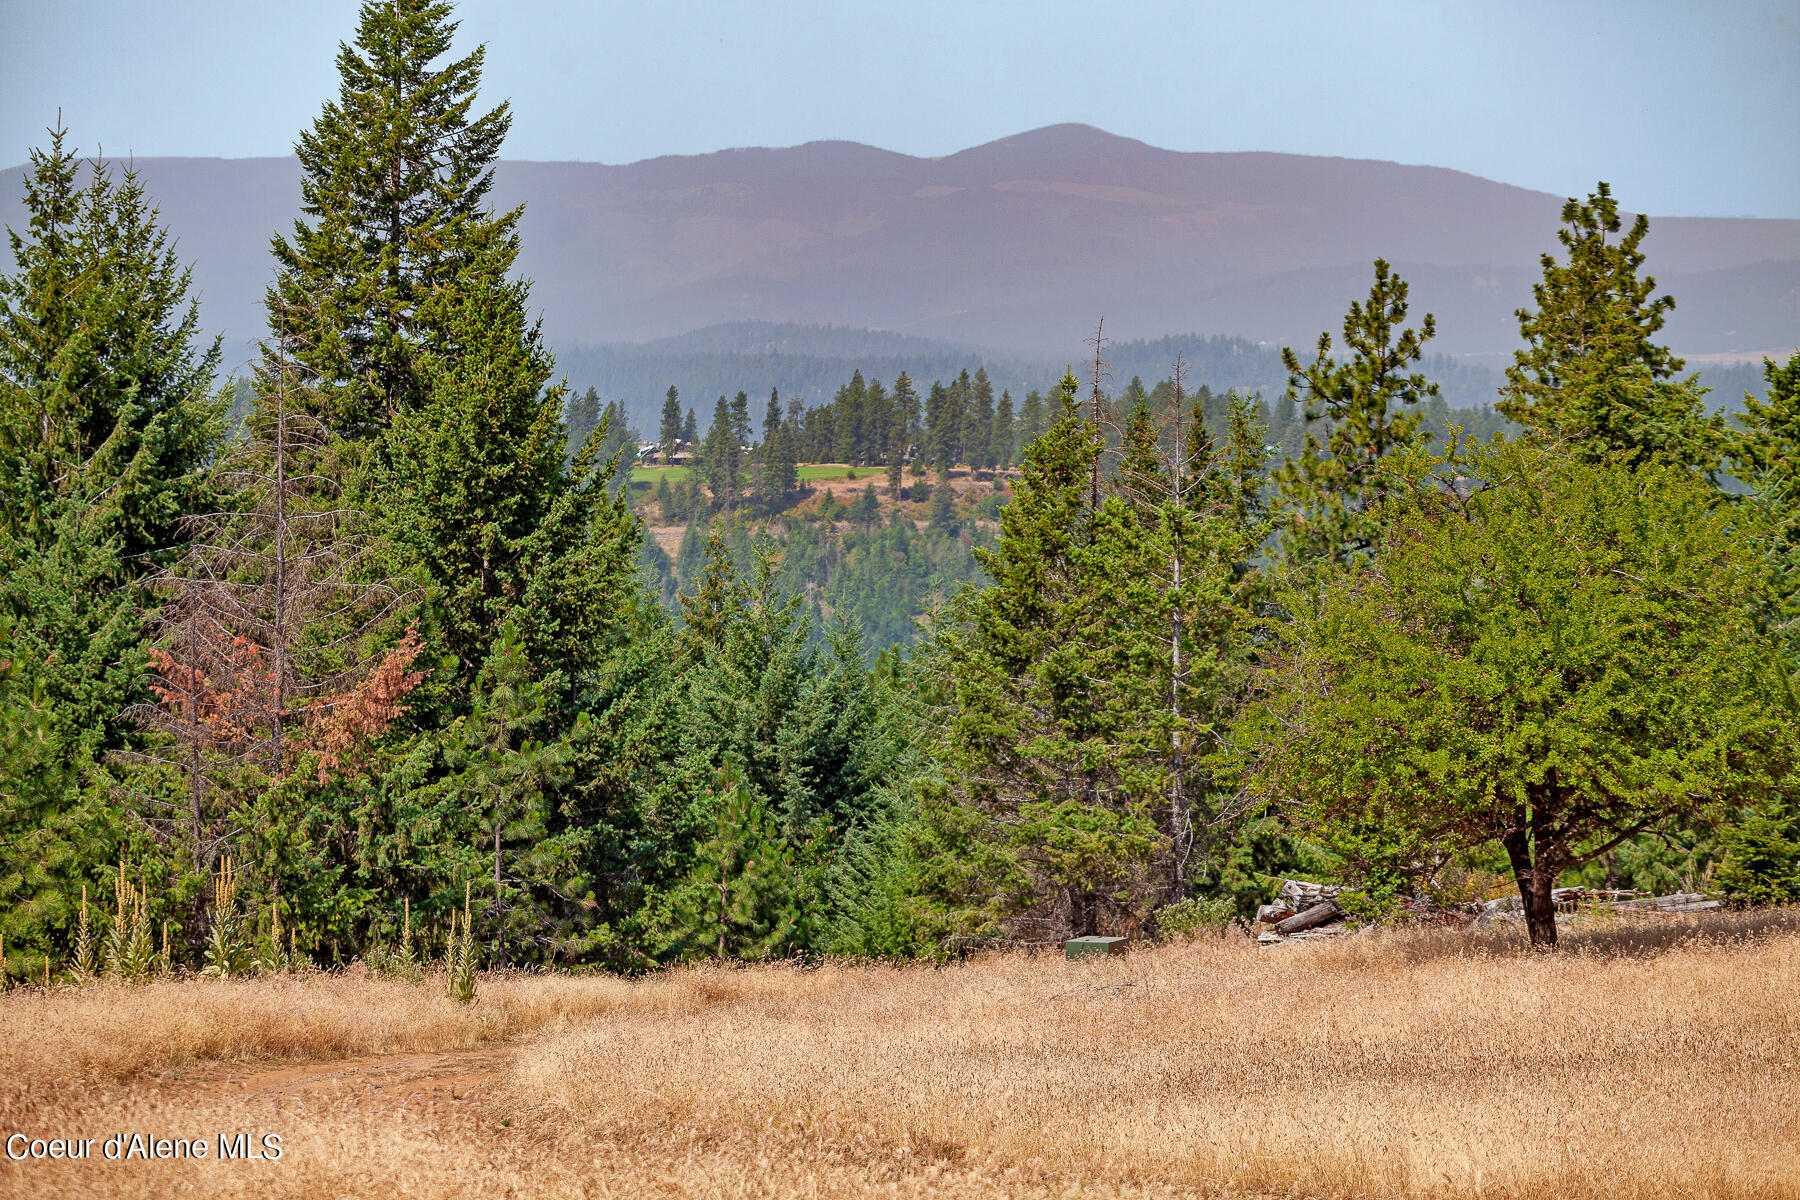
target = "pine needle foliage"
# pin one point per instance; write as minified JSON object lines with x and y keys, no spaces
{"x":1589,"y":372}
{"x":1369,"y":404}
{"x":395,"y":178}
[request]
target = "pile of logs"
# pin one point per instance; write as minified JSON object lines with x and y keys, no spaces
{"x":1303,"y":909}
{"x":1308,"y":910}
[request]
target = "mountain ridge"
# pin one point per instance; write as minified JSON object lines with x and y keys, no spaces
{"x":1020,"y":244}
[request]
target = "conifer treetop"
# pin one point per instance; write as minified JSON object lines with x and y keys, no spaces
{"x":395,"y":181}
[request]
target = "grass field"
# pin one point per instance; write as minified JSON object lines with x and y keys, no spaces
{"x":647,"y":476}
{"x":1645,"y":1061}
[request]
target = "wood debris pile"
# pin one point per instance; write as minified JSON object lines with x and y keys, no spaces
{"x":1311,"y":910}
{"x":1304,"y":910}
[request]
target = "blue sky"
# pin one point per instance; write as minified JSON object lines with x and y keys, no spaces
{"x":1687,"y":109}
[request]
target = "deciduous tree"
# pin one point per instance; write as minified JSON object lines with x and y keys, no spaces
{"x":1545,"y":652}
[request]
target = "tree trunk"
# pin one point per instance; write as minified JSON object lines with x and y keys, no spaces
{"x":1535,"y":879}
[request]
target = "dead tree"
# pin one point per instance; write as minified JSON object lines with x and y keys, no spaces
{"x":269,"y":619}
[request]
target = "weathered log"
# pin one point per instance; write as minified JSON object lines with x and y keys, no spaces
{"x":1318,"y":914}
{"x":1301,"y":894}
{"x":1271,"y":913}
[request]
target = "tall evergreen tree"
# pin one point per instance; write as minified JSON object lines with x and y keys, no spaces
{"x":104,"y":384}
{"x":480,"y":503}
{"x":1049,"y":829}
{"x":582,"y":419}
{"x":776,"y":473}
{"x":668,"y":434}
{"x":1327,"y":493}
{"x":1032,"y":416}
{"x":106,"y":428}
{"x":721,"y":458}
{"x":1767,"y":455}
{"x":395,"y":177}
{"x":1589,"y":372}
{"x":981,"y":452}
{"x":743,"y":900}
{"x":1005,"y":451}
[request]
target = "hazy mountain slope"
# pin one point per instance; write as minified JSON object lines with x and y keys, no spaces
{"x":1018,"y":245}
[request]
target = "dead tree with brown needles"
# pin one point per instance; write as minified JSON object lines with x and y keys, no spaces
{"x":268,"y":621}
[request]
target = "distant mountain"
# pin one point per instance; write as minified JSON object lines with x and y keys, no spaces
{"x":1018,"y":246}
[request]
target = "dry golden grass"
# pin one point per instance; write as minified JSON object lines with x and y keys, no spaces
{"x":1426,"y":1064}
{"x":116,"y":1031}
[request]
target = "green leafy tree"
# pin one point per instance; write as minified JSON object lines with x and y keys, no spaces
{"x":1590,"y":372}
{"x":1767,"y":454}
{"x":1553,"y":654}
{"x":395,"y":177}
{"x":1326,"y":495}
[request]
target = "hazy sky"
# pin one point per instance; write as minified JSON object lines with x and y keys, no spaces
{"x":1687,"y":109}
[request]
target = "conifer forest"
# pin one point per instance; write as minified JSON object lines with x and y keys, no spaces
{"x":401,"y":642}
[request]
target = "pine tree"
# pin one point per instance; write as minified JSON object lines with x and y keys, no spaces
{"x":943,"y":505}
{"x":740,"y":420}
{"x":877,"y":422}
{"x":668,"y":434}
{"x":472,"y":471}
{"x":582,"y":419}
{"x":1048,"y":829}
{"x":105,"y":404}
{"x":1005,"y":452}
{"x":395,"y":177}
{"x":742,"y":900}
{"x":106,"y":429}
{"x":981,"y":452}
{"x":721,"y":458}
{"x":1031,"y":421}
{"x":1590,"y":373}
{"x":905,"y":423}
{"x":265,"y":622}
{"x":508,"y":763}
{"x":777,"y":475}
{"x":1326,"y":494}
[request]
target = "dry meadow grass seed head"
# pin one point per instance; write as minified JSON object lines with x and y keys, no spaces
{"x":1653,"y":1059}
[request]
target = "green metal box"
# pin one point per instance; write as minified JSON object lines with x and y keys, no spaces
{"x":1090,"y":947}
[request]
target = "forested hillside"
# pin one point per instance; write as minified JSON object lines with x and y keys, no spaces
{"x":399,"y":635}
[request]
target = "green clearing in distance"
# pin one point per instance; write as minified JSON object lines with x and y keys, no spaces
{"x":647,"y":476}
